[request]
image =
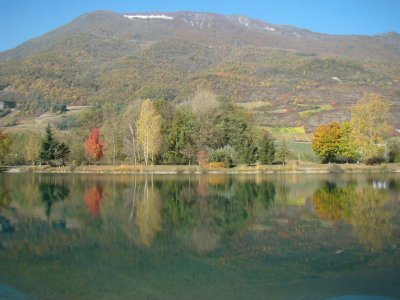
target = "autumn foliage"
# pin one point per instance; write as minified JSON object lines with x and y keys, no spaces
{"x":326,"y":141}
{"x":93,"y":198}
{"x":93,"y":146}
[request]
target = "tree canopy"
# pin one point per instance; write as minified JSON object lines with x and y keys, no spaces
{"x":93,"y":145}
{"x":369,"y":126}
{"x":326,"y":141}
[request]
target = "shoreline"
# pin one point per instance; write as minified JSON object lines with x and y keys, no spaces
{"x":292,"y":167}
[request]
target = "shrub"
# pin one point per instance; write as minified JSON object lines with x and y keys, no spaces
{"x":216,"y":165}
{"x":224,"y":155}
{"x":374,"y":160}
{"x":393,"y":153}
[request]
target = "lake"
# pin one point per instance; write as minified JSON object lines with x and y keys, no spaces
{"x":210,"y":236}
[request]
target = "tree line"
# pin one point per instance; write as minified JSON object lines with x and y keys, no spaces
{"x":206,"y":131}
{"x":363,"y":138}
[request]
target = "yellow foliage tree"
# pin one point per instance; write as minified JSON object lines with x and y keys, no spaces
{"x":149,"y":131}
{"x":369,"y":126}
{"x":326,"y":141}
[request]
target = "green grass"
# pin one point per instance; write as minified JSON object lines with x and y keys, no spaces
{"x":305,"y":114}
{"x":288,"y":130}
{"x":300,"y":150}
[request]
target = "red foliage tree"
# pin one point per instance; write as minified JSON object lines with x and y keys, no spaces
{"x":93,"y":146}
{"x":93,"y":198}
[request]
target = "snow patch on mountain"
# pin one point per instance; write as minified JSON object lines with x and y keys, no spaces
{"x":148,"y":17}
{"x":198,"y":20}
{"x":244,"y":21}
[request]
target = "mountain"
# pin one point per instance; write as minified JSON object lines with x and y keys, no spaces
{"x":285,"y":75}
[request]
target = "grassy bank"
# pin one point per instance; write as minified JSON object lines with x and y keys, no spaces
{"x":290,"y":167}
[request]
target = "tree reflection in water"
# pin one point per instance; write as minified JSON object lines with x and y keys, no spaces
{"x":370,"y":220}
{"x":93,"y":197}
{"x":5,"y":198}
{"x":218,"y":207}
{"x":204,"y":211}
{"x":362,"y":207}
{"x":148,"y":213}
{"x":51,"y":193}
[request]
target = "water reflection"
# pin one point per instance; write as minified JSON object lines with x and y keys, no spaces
{"x":363,"y":207}
{"x":371,"y":219}
{"x":92,"y":198}
{"x":204,"y":212}
{"x":51,"y":193}
{"x":5,"y":198}
{"x":148,"y":213}
{"x":213,"y":231}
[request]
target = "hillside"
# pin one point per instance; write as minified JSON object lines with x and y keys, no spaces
{"x":285,"y":76}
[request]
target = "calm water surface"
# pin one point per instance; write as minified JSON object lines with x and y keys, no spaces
{"x":199,"y":236}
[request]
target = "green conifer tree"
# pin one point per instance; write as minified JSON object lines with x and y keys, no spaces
{"x":48,"y":146}
{"x":266,"y":149}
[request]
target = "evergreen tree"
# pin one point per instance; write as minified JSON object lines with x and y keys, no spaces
{"x":248,"y":150}
{"x":61,"y":152}
{"x":48,"y":146}
{"x":181,"y":137}
{"x":283,"y":152}
{"x":266,"y":149}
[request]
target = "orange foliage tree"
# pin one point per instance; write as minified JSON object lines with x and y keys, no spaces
{"x":93,"y":146}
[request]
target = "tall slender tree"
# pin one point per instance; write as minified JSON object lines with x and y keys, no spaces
{"x":111,"y":129}
{"x":32,"y":148}
{"x":149,"y":131}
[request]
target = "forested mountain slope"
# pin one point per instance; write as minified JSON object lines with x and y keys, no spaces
{"x":285,"y":76}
